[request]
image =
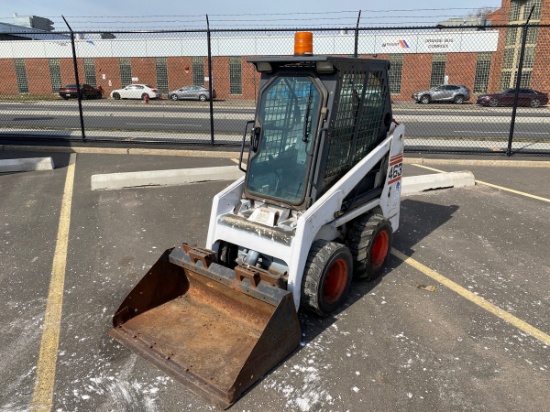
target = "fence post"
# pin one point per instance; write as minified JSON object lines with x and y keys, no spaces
{"x":518,"y":83}
{"x":355,"y":51}
{"x":78,"y":94}
{"x":211,"y":81}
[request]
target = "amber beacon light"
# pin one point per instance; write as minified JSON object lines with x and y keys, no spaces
{"x":303,"y":43}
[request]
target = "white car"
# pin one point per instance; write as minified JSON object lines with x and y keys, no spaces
{"x":136,"y":91}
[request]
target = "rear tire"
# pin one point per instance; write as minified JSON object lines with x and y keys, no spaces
{"x":202,"y":98}
{"x":425,"y":99}
{"x":369,"y":240}
{"x":534,"y":103}
{"x":144,"y":96}
{"x":459,"y":99}
{"x":116,"y":96}
{"x":327,"y":277}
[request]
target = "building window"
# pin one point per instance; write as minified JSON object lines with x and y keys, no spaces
{"x":511,"y":36}
{"x":55,"y":74}
{"x":519,"y":12}
{"x":162,"y":74}
{"x":505,"y":80}
{"x":529,"y":57}
{"x":89,"y":72}
{"x":125,"y":71}
{"x":508,"y":60}
{"x":483,"y":69}
{"x":439,"y":62}
{"x":395,"y":73}
{"x":21,"y":76}
{"x":515,"y":8}
{"x":197,"y":67}
{"x":235,"y":76}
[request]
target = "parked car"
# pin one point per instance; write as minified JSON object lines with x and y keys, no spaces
{"x":192,"y":92}
{"x":136,"y":91}
{"x":527,"y":97}
{"x":456,"y":93}
{"x":86,"y":91}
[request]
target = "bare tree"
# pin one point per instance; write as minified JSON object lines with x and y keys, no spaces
{"x":482,"y":12}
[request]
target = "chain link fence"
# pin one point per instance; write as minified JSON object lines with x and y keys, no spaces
{"x":453,"y":87}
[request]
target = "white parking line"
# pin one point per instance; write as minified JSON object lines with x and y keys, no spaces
{"x":165,"y":124}
{"x":506,"y":133}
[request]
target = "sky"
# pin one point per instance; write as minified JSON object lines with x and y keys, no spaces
{"x":186,"y":14}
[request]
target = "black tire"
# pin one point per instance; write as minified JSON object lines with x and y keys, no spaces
{"x":327,"y":277}
{"x":459,"y":99}
{"x":202,"y":98}
{"x":144,"y":95}
{"x":65,"y":97}
{"x":174,"y":97}
{"x":84,"y":96}
{"x":116,"y":96}
{"x":425,"y":99}
{"x":369,"y":239}
{"x":534,"y":103}
{"x":493,"y":102}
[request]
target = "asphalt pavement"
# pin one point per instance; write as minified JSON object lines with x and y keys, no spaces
{"x":459,"y":321}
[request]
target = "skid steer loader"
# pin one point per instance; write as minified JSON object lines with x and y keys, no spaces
{"x":318,"y":205}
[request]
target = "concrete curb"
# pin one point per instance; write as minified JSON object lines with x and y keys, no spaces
{"x":423,"y":183}
{"x":26,"y":164}
{"x":114,"y":181}
{"x":121,"y":151}
{"x":235,"y":155}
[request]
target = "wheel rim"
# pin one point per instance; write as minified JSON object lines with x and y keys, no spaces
{"x":335,"y":281}
{"x":535,"y":103}
{"x":379,"y":249}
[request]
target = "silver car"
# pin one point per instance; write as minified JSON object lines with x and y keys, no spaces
{"x":192,"y":92}
{"x":455,"y":93}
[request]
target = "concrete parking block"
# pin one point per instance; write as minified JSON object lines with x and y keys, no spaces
{"x":113,"y":181}
{"x":26,"y":164}
{"x":416,"y":184}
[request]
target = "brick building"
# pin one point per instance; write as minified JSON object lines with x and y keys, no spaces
{"x":483,"y":60}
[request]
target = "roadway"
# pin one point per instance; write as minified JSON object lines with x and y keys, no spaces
{"x":442,"y":121}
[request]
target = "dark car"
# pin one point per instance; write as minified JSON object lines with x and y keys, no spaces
{"x":192,"y":92}
{"x":86,"y":91}
{"x":527,"y":97}
{"x":455,"y":93}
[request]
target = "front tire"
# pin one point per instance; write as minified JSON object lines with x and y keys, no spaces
{"x":116,"y":96}
{"x":174,"y":97}
{"x":425,"y":99}
{"x":327,"y":277}
{"x":369,"y":239}
{"x":493,"y":102}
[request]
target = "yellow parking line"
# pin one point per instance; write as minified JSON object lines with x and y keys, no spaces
{"x":465,"y":293}
{"x":42,"y":398}
{"x":481,"y":182}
